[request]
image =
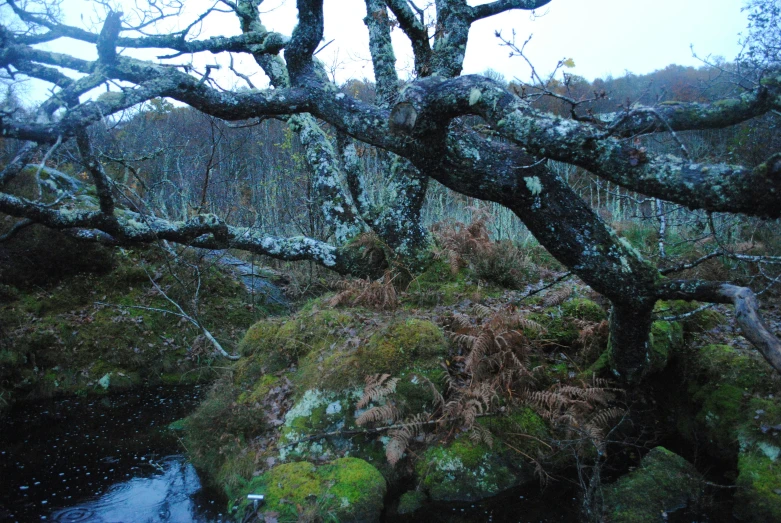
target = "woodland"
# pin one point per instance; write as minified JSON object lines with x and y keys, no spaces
{"x":403,"y":292}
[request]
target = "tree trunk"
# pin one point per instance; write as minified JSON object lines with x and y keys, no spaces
{"x":629,"y":346}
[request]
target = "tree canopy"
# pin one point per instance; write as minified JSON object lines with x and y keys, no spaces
{"x":421,"y":130}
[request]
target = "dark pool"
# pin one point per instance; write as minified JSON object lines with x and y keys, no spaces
{"x":110,"y":459}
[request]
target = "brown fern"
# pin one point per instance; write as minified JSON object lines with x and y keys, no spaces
{"x":378,"y":386}
{"x":557,"y":297}
{"x":379,"y":294}
{"x":387,"y":413}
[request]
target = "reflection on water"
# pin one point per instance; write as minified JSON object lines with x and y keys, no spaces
{"x":104,"y":460}
{"x":166,"y":496}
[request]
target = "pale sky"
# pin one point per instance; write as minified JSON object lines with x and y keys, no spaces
{"x":603,"y":37}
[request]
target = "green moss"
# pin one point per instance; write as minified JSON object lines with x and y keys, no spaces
{"x":758,"y":498}
{"x":665,"y":339}
{"x":438,"y":285}
{"x":217,"y":432}
{"x":664,"y":482}
{"x":724,"y":364}
{"x":558,"y":326}
{"x":721,"y":412}
{"x":262,"y":387}
{"x":402,"y":343}
{"x":71,"y":332}
{"x":276,"y":346}
{"x":411,"y":501}
{"x":601,"y":367}
{"x":348,"y":489}
{"x":467,"y":471}
{"x":584,"y":309}
{"x":413,"y":394}
{"x":177,"y":425}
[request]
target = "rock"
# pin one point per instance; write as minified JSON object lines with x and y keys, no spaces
{"x":345,"y":490}
{"x":584,"y":309}
{"x":666,"y":338}
{"x":759,"y":467}
{"x":411,"y":501}
{"x":664,"y":482}
{"x":465,"y":471}
{"x":257,"y":280}
{"x":728,"y":405}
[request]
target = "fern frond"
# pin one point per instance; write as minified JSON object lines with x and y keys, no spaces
{"x":481,"y":311}
{"x":378,"y":386}
{"x":480,"y":347}
{"x":384,"y":413}
{"x":557,"y":297}
{"x":465,"y":341}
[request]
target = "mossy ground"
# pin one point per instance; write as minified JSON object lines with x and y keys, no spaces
{"x":66,"y":334}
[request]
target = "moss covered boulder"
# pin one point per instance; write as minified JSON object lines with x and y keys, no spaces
{"x":664,"y":482}
{"x":345,"y":490}
{"x":733,"y":411}
{"x":465,"y":470}
{"x":584,"y":309}
{"x":335,"y":350}
{"x":410,"y":501}
{"x":758,"y":497}
{"x":665,"y":339}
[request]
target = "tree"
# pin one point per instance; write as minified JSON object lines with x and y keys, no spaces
{"x":418,"y":128}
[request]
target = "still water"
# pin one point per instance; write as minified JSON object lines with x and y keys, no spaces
{"x":109,"y":459}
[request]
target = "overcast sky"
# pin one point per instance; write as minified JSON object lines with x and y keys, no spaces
{"x":603,"y":37}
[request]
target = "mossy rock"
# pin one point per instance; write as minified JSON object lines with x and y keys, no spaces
{"x":467,"y":471}
{"x":438,"y":285}
{"x":720,"y":414}
{"x":758,"y":498}
{"x":402,"y":346}
{"x":737,"y":422}
{"x":584,"y":309}
{"x":345,"y":490}
{"x":759,"y":462}
{"x":411,"y":501}
{"x":723,"y":364}
{"x":701,"y":321}
{"x":328,"y":412}
{"x":276,"y":345}
{"x":663,"y":483}
{"x":665,"y":339}
{"x":261,"y":389}
{"x":318,"y":412}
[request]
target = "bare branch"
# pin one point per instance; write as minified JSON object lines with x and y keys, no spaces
{"x":746,"y":311}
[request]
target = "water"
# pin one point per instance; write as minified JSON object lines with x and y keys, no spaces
{"x":109,"y":459}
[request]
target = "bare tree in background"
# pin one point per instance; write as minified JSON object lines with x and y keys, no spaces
{"x":417,"y":126}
